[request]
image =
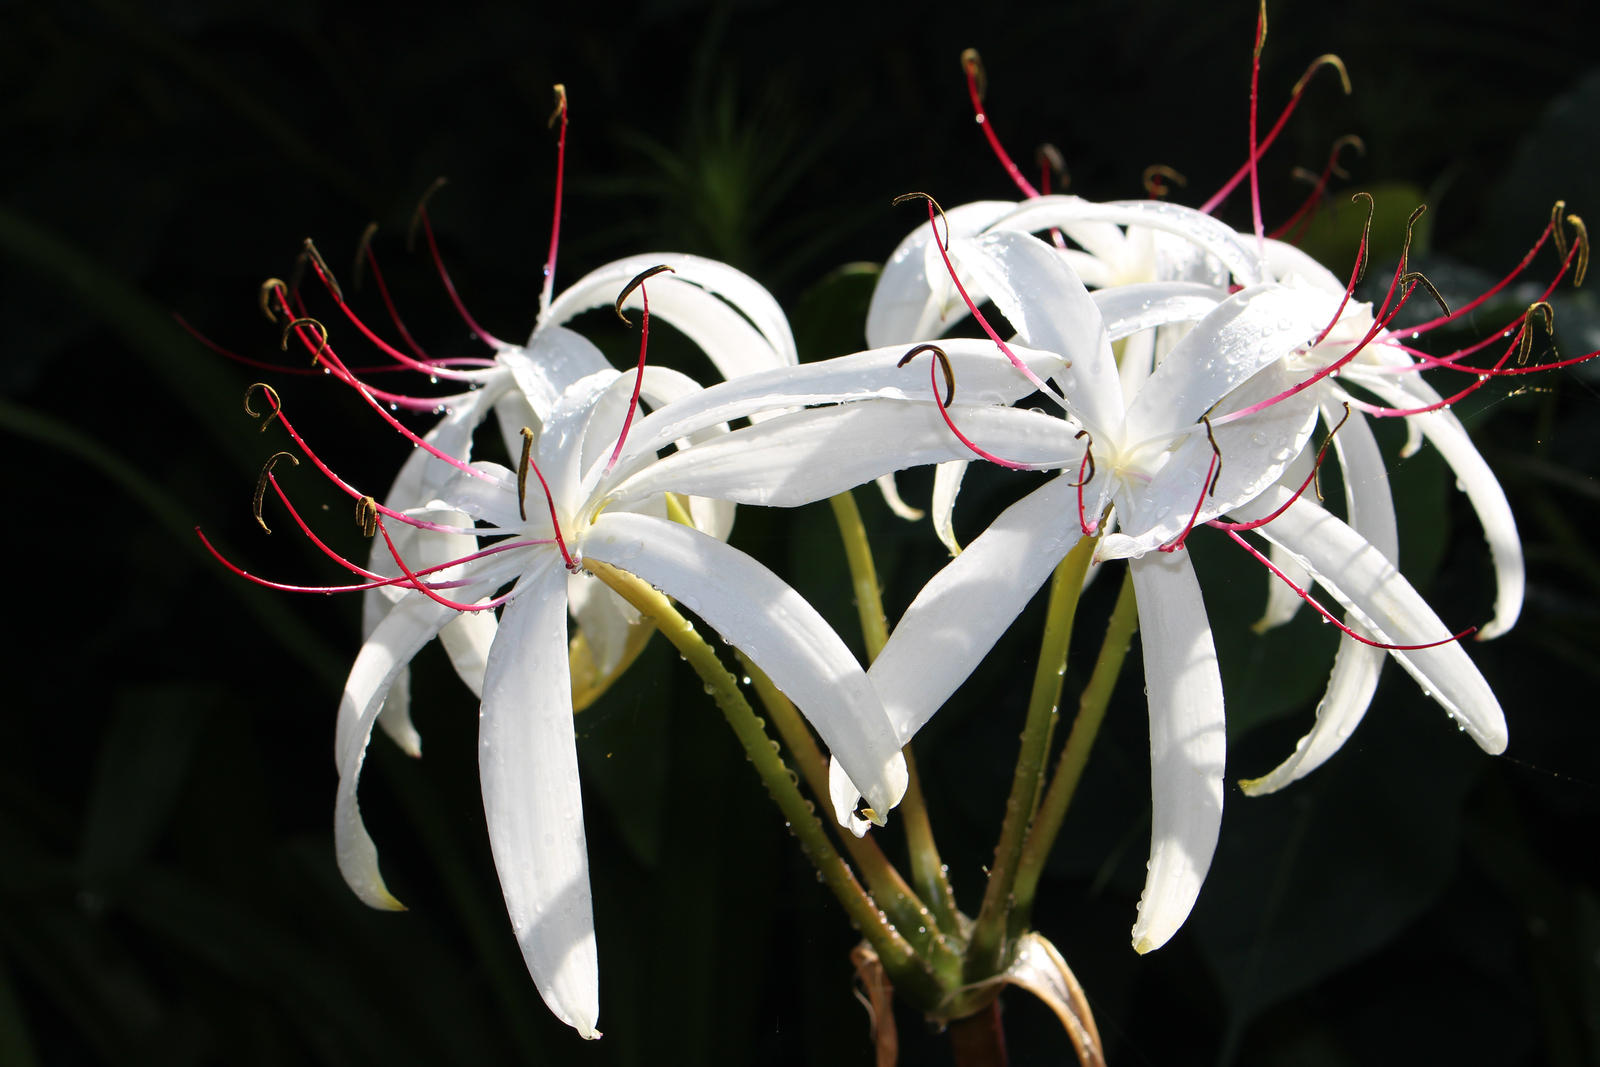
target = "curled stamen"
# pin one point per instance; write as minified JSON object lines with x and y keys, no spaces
{"x":272,"y":398}
{"x":638,"y":280}
{"x":1329,"y":60}
{"x":1086,"y":468}
{"x":261,"y":485}
{"x":1582,"y":239}
{"x":904,"y":197}
{"x":1157,"y":175}
{"x":522,"y":473}
{"x":1349,"y":140}
{"x":1316,"y":468}
{"x":944,"y":364}
{"x":367,"y":516}
{"x":1542,"y":310}
{"x":421,"y":209}
{"x":1416,"y":277}
{"x":270,"y":288}
{"x":322,"y":340}
{"x":561,"y":106}
{"x":309,"y":252}
{"x":363,"y":251}
{"x":1364,"y":250}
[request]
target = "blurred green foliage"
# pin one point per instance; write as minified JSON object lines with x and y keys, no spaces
{"x":167,"y":888}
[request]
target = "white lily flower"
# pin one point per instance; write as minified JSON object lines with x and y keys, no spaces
{"x":725,"y":313}
{"x":1167,"y":263}
{"x":1154,"y":474}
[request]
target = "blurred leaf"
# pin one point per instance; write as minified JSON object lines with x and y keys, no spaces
{"x":1334,"y":234}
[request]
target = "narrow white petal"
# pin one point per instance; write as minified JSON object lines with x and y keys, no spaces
{"x":554,"y":358}
{"x":1445,"y":432}
{"x":911,"y":302}
{"x":754,"y":610}
{"x":528,"y":767}
{"x":962,"y":612}
{"x":408,"y":626}
{"x":947,"y":478}
{"x":1134,"y":308}
{"x":1188,"y":742}
{"x":891,"y":497}
{"x":1283,"y":602}
{"x":1385,"y":607}
{"x":813,"y":454}
{"x":844,"y":796}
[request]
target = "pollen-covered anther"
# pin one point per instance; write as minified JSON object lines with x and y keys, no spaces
{"x":367,"y":516}
{"x":1216,"y":453}
{"x":638,"y":280}
{"x":1328,"y":60}
{"x":561,"y":105}
{"x":944,"y":365}
{"x":522,"y":473}
{"x":1417,"y":278}
{"x":906,"y":197}
{"x":1086,"y":468}
{"x":1581,"y":237}
{"x":261,"y":485}
{"x":272,"y":398}
{"x":322,"y":336}
{"x":1542,"y":311}
{"x":972,"y":66}
{"x":1349,"y":140}
{"x":1156,"y":178}
{"x":270,"y":288}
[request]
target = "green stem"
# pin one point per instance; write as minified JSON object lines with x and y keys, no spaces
{"x":927,"y":868}
{"x":897,"y":955}
{"x":1069,"y":768}
{"x":919,"y":924}
{"x":987,"y":949}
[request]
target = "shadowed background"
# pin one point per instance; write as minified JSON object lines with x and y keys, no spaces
{"x":167,"y":888}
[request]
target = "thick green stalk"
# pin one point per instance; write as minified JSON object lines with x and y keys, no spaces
{"x":1069,"y":768}
{"x":899,"y":959}
{"x":927,"y":868}
{"x":916,"y":922}
{"x":987,"y":949}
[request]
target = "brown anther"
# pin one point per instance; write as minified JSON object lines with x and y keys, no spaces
{"x":1316,"y":468}
{"x":1543,"y":311}
{"x":367,"y":516}
{"x":1329,"y":60}
{"x":1366,"y":232}
{"x":944,"y":364}
{"x":561,"y":105}
{"x":261,"y":485}
{"x":360,"y":263}
{"x":638,"y":280}
{"x":903,"y":197}
{"x":1048,"y":155}
{"x":1582,"y":266}
{"x":1405,"y":248}
{"x":1261,"y":29}
{"x":272,"y":397}
{"x":268,"y":288}
{"x":972,"y":65}
{"x":1416,"y":277}
{"x":1211,"y":490}
{"x":310,"y":252}
{"x":522,"y":473}
{"x":1156,"y":177}
{"x":322,"y":335}
{"x":1557,"y":234}
{"x":1088,"y":459}
{"x":1349,"y":140}
{"x":422,"y":206}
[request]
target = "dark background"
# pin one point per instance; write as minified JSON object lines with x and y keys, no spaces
{"x":167,"y":888}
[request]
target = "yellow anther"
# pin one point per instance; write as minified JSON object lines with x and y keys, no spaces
{"x":261,"y":485}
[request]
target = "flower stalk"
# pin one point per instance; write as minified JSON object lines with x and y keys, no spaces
{"x":986,"y":953}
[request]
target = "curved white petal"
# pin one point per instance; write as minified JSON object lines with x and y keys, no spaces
{"x":554,"y":358}
{"x":891,"y":497}
{"x":947,"y":478}
{"x":528,"y":769}
{"x":1188,"y":743}
{"x":1384,"y":605}
{"x":844,"y":796}
{"x":913,"y":302}
{"x":962,"y":612}
{"x":813,"y":454}
{"x":408,"y":626}
{"x":754,"y":610}
{"x":1133,"y":308}
{"x":1283,"y":602}
{"x":1475,"y":478}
